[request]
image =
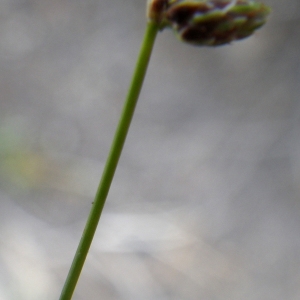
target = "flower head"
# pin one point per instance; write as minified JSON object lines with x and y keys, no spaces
{"x":212,"y":22}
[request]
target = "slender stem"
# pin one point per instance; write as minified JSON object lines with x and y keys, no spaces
{"x":112,"y":161}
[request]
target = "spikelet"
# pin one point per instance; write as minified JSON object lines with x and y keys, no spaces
{"x":212,"y":22}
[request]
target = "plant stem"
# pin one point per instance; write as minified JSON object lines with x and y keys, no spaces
{"x":112,"y":161}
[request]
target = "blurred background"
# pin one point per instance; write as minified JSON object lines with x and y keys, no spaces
{"x":205,"y":203}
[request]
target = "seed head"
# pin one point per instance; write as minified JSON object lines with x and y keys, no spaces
{"x":211,"y":22}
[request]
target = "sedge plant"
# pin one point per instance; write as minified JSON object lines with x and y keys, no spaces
{"x":198,"y":22}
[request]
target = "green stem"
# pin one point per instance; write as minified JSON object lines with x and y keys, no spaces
{"x":112,"y":161}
